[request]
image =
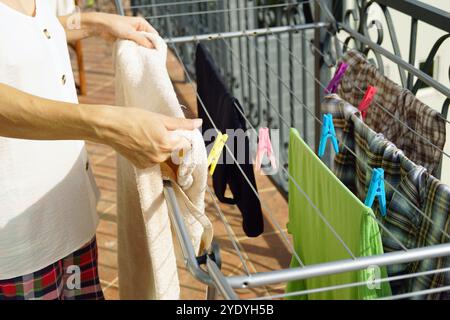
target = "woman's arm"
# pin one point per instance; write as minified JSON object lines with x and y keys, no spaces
{"x":107,"y":26}
{"x":143,"y":137}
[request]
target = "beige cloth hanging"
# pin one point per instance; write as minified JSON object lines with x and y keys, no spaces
{"x":146,"y":252}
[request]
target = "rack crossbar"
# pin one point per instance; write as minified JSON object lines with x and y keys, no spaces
{"x":245,"y":33}
{"x":335,"y":267}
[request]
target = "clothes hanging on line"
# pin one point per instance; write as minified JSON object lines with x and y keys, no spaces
{"x":413,"y":182}
{"x":313,"y":240}
{"x":146,"y":252}
{"x":221,"y":106}
{"x":400,"y":103}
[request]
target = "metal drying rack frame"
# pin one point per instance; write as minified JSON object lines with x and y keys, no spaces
{"x":214,"y":278}
{"x":207,"y":267}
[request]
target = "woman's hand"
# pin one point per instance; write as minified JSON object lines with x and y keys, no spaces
{"x":146,"y":138}
{"x":114,"y":27}
{"x":109,"y":26}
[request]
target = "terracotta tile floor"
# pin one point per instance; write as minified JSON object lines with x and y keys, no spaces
{"x":267,"y":252}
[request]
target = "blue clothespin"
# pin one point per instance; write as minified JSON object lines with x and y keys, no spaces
{"x":327,"y":132}
{"x":376,"y":189}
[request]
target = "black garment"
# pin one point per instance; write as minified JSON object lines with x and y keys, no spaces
{"x":221,"y":106}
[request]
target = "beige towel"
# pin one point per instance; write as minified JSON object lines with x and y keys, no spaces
{"x":147,"y":263}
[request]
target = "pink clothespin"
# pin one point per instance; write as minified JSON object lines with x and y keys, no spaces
{"x":265,"y":146}
{"x":366,"y":101}
{"x":334,"y":83}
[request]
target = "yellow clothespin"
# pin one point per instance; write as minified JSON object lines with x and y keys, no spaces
{"x":216,"y":151}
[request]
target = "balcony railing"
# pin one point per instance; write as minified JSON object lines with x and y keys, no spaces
{"x":279,"y":77}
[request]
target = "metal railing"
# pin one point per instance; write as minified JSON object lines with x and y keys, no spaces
{"x":274,"y":96}
{"x":356,"y":26}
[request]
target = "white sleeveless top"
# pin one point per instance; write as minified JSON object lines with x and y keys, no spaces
{"x":47,"y":199}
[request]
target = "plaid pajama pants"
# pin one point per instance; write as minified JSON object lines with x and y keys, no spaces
{"x":74,"y":277}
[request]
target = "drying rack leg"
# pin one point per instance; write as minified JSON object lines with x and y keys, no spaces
{"x":213,"y":277}
{"x":211,"y":293}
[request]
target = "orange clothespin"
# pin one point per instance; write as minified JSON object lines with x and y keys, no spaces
{"x":366,"y":101}
{"x":265,"y":147}
{"x":216,"y":151}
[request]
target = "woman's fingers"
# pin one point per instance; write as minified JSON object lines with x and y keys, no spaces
{"x":156,"y":40}
{"x":181,"y":123}
{"x":141,"y":40}
{"x":178,"y":142}
{"x":146,"y":138}
{"x":144,"y":25}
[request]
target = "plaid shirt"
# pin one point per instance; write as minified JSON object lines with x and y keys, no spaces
{"x":413,"y":182}
{"x":428,"y":124}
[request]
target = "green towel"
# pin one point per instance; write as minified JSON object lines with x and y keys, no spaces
{"x":314,"y":242}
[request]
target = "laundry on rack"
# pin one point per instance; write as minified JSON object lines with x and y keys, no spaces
{"x":415,"y":188}
{"x":146,"y":252}
{"x":313,"y":239}
{"x":221,"y":106}
{"x":399,"y":110}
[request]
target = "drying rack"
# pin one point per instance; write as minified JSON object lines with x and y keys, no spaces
{"x":207,"y":267}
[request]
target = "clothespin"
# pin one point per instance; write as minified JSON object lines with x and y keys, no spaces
{"x":367,"y":100}
{"x":334,"y":83}
{"x":327,"y":132}
{"x":376,"y":189}
{"x":265,"y":147}
{"x":216,"y":151}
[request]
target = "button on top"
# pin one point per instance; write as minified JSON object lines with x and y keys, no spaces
{"x":63,"y":79}
{"x":47,"y":34}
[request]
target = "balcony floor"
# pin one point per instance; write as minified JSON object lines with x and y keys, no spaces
{"x":265,"y":253}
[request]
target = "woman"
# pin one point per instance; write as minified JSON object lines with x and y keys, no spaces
{"x":47,"y":204}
